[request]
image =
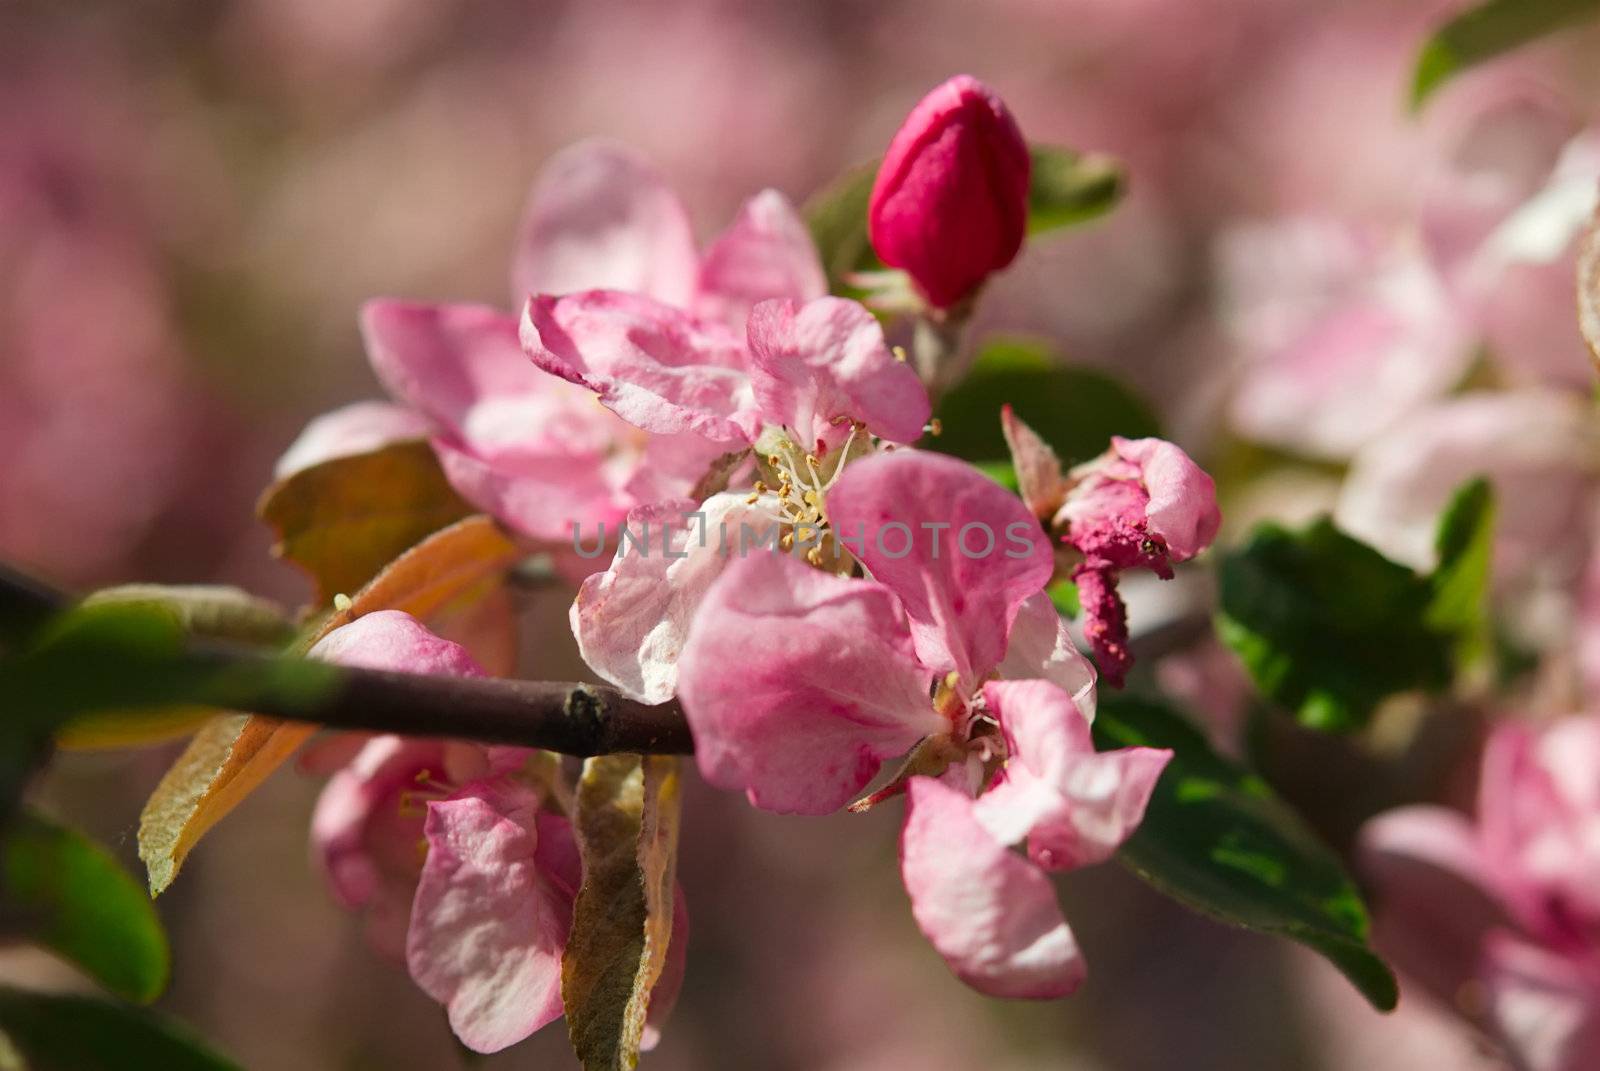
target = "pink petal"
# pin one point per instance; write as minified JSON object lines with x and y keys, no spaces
{"x":395,"y":641}
{"x":765,"y":253}
{"x":544,"y":498}
{"x":632,"y":620}
{"x":358,"y":428}
{"x":601,"y":218}
{"x":1041,"y":648}
{"x":959,"y":579}
{"x":1435,"y":894}
{"x":1075,"y":805}
{"x":798,"y":684}
{"x":816,"y":364}
{"x":363,"y":841}
{"x":1037,"y":467}
{"x":1545,"y":1007}
{"x":1183,"y":499}
{"x":491,"y":917}
{"x":655,"y":366}
{"x":989,"y":912}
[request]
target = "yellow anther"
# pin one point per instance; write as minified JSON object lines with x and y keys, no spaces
{"x":935,"y":426}
{"x":899,"y":354}
{"x":814,"y":555}
{"x":787,"y":542}
{"x":341,"y":602}
{"x":752,"y":498}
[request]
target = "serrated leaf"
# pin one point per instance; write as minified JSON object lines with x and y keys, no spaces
{"x":233,"y":754}
{"x":626,"y":822}
{"x":1489,"y":30}
{"x":1217,"y":839}
{"x":1464,"y":544}
{"x":71,"y":1033}
{"x":1326,"y":625}
{"x":1076,"y":410}
{"x":69,"y":895}
{"x":211,"y":611}
{"x":1069,"y":187}
{"x":345,"y":519}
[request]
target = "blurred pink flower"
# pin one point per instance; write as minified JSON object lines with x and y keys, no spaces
{"x":1535,"y":447}
{"x":1500,"y":918}
{"x":799,"y":685}
{"x":950,"y":202}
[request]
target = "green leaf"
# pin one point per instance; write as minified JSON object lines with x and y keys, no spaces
{"x":1465,"y":550}
{"x":1488,"y":30}
{"x":1326,"y":625}
{"x":1069,"y":187}
{"x":1217,"y":839}
{"x":71,"y":896}
{"x":837,"y":216}
{"x":626,"y":823}
{"x":1075,"y":410}
{"x":342,"y":521}
{"x":1064,"y":596}
{"x":70,"y":1033}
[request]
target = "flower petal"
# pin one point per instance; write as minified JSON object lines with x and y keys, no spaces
{"x":395,"y":641}
{"x":1183,"y":499}
{"x":1435,"y":894}
{"x":443,"y":360}
{"x":602,"y":218}
{"x":490,"y":918}
{"x":798,"y":684}
{"x":665,"y":994}
{"x":655,"y":366}
{"x":826,"y":359}
{"x":1075,"y":805}
{"x":1546,"y":1007}
{"x":357,"y":428}
{"x":1041,"y":648}
{"x":1037,"y":467}
{"x":989,"y":912}
{"x":632,"y":620}
{"x":765,"y":253}
{"x":973,"y":552}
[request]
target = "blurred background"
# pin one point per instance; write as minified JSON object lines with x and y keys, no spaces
{"x":195,"y":197}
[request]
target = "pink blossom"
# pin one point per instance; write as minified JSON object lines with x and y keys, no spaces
{"x":532,"y":450}
{"x":950,"y":203}
{"x":1346,"y":330}
{"x":1533,"y":445}
{"x":1141,"y":504}
{"x":481,"y":913}
{"x":800,"y":684}
{"x":812,"y":389}
{"x":1500,"y":918}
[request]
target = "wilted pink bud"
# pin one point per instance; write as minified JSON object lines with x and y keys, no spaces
{"x":951,"y":200}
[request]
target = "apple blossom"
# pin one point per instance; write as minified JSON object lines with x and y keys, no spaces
{"x":534,"y":451}
{"x":481,"y":915}
{"x":1141,"y":504}
{"x":800,"y":684}
{"x":950,"y":202}
{"x":1500,"y":917}
{"x":811,"y":390}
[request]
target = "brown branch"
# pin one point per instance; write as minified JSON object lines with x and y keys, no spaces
{"x":563,"y":716}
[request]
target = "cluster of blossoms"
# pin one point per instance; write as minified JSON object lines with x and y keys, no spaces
{"x":648,"y":383}
{"x":1500,"y":918}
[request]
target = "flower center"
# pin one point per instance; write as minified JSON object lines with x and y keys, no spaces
{"x":794,"y":485}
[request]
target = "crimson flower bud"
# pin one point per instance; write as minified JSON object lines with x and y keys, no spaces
{"x":950,"y":203}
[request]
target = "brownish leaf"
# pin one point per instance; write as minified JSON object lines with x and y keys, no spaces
{"x":626,"y":820}
{"x":232,"y":754}
{"x":345,"y":519}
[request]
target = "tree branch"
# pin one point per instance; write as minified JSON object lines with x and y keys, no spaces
{"x":567,"y":717}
